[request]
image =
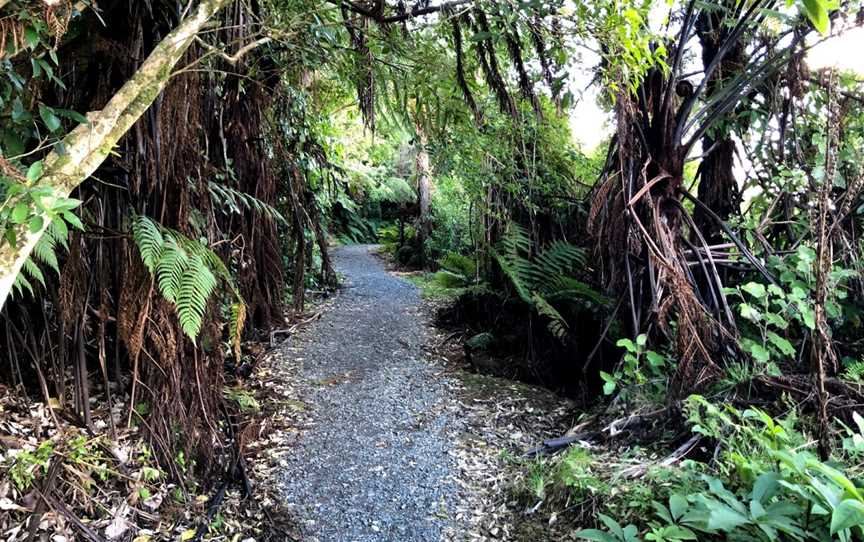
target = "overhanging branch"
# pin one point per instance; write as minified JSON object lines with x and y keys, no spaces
{"x":426,"y":11}
{"x":377,"y":14}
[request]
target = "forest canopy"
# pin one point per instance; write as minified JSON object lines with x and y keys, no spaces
{"x":173,"y":176}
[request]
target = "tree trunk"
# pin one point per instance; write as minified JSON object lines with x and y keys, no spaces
{"x":296,"y":185}
{"x":89,"y":144}
{"x":424,"y":193}
{"x":718,"y":189}
{"x":328,"y":274}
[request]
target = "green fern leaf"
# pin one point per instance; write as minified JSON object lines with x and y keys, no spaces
{"x":233,"y":200}
{"x":33,"y":271}
{"x":21,"y":283}
{"x":170,"y":269}
{"x":557,"y":324}
{"x":196,"y":285}
{"x":149,"y":239}
{"x":187,"y":273}
{"x":44,"y":252}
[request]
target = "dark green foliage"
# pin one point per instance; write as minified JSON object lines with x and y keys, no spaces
{"x":405,"y":255}
{"x":547,"y":279}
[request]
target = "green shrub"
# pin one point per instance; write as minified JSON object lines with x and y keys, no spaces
{"x":405,"y":254}
{"x":767,"y":484}
{"x":459,"y":264}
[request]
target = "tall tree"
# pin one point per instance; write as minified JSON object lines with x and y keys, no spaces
{"x":88,"y":145}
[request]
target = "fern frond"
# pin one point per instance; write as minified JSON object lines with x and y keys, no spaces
{"x":516,"y":240}
{"x":557,"y":324}
{"x":148,"y":237}
{"x":546,"y":278}
{"x":33,"y":271}
{"x":481,"y":341}
{"x":234,"y":200}
{"x":854,"y":371}
{"x":449,"y":279}
{"x":562,"y":288}
{"x":45,"y":252}
{"x":561,"y":257}
{"x":459,"y":264}
{"x":21,"y":283}
{"x":58,"y":235}
{"x":514,"y":270}
{"x":170,"y":268}
{"x":196,"y":285}
{"x":238,"y":320}
{"x":187,"y":273}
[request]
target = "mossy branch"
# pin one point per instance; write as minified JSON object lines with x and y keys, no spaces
{"x":89,"y":144}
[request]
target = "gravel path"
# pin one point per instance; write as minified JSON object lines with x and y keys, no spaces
{"x":376,"y":461}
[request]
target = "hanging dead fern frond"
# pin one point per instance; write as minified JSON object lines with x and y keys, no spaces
{"x":460,"y":69}
{"x":364,"y":69}
{"x":485,"y":50}
{"x":539,"y":43}
{"x":514,"y":50}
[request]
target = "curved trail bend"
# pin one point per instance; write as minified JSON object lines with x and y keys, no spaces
{"x":375,"y":463}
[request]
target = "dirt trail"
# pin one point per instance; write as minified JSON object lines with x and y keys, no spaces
{"x":393,"y":441}
{"x":376,"y":461}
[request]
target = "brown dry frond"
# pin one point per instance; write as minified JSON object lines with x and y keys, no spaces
{"x":11,"y":37}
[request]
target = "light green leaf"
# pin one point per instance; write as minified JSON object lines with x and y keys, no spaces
{"x":36,"y":224}
{"x":677,"y":505}
{"x":655,"y":359}
{"x":759,"y":352}
{"x":723,"y":518}
{"x":755,"y":289}
{"x":32,"y":37}
{"x":817,"y":12}
{"x":808,"y":315}
{"x":19,"y":213}
{"x":850,"y":513}
{"x":782,"y":344}
{"x":749,"y":312}
{"x":627,"y":344}
{"x":34,"y":171}
{"x":595,"y":534}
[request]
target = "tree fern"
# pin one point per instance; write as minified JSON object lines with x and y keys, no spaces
{"x":187,"y":273}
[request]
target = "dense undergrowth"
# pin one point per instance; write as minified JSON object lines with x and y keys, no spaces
{"x":694,"y":281}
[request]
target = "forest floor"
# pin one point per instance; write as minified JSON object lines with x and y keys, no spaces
{"x":393,"y":440}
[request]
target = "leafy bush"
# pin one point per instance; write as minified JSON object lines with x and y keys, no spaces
{"x":639,"y":366}
{"x":405,"y":254}
{"x":767,"y":484}
{"x":775,"y":316}
{"x":459,"y":264}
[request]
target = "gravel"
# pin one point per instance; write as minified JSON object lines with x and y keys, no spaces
{"x":376,"y":462}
